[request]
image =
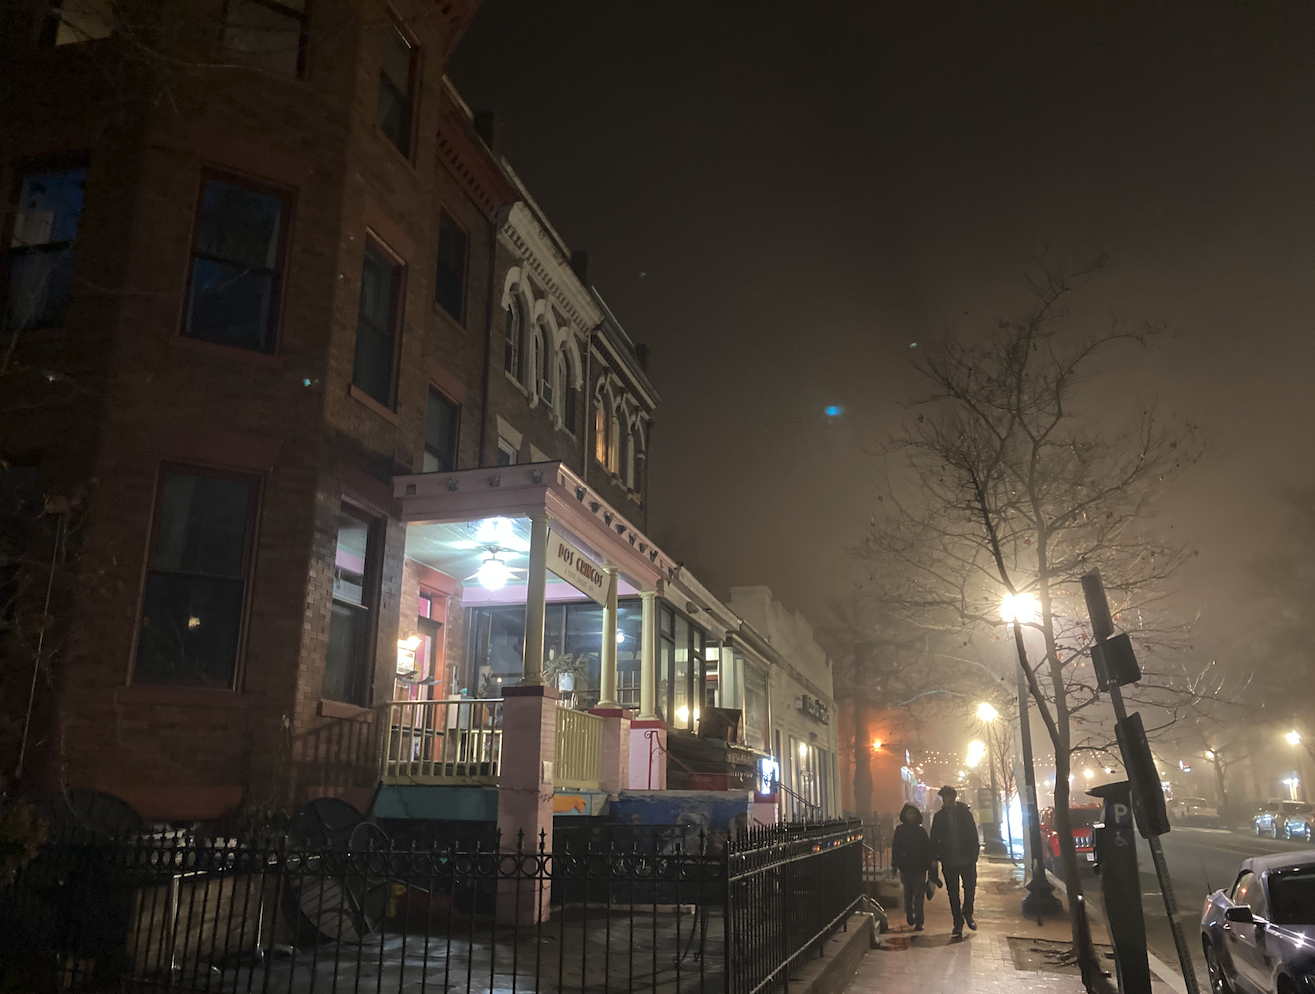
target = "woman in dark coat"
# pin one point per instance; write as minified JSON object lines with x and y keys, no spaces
{"x":910,"y":854}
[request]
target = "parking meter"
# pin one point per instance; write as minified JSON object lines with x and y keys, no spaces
{"x":1116,"y":862}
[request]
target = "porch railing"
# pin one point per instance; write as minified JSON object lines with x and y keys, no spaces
{"x":579,"y":761}
{"x":454,"y":741}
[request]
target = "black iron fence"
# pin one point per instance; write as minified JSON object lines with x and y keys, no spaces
{"x":176,"y":913}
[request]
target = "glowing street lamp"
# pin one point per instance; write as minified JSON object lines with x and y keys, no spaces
{"x":985,"y":712}
{"x":1022,"y":608}
{"x":976,"y":752}
{"x":1293,"y":738}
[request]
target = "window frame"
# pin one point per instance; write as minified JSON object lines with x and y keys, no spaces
{"x":8,"y":252}
{"x":455,"y":433}
{"x":303,"y":35}
{"x":256,"y":483}
{"x":370,"y":599}
{"x":512,"y":334}
{"x":396,"y":301}
{"x":412,"y":90}
{"x":255,"y":185}
{"x":510,"y":451}
{"x":464,"y":279}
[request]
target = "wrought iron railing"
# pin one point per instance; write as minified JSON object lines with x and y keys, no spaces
{"x":624,"y":911}
{"x":579,"y":759}
{"x":788,"y":889}
{"x":454,"y":741}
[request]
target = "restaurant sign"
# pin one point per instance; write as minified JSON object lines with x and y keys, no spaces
{"x":576,"y":568}
{"x":815,"y":709}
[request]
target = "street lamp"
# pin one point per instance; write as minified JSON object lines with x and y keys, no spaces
{"x":1293,"y":738}
{"x":1018,"y":610}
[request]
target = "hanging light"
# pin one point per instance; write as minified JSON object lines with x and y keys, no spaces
{"x":493,"y":573}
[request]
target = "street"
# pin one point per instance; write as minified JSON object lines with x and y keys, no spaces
{"x":1201,"y":860}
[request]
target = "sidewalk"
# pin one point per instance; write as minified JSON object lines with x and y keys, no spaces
{"x":985,"y":961}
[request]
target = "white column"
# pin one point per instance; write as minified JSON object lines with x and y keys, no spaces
{"x":647,"y":656}
{"x":536,"y":600}
{"x":607,"y":677}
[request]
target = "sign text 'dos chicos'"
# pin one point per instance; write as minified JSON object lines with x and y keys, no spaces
{"x":576,"y":568}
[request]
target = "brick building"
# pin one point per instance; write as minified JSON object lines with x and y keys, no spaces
{"x":274,"y":302}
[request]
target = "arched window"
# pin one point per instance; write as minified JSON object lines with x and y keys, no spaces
{"x":614,"y":442}
{"x":511,"y":354}
{"x":630,"y":458}
{"x":600,"y":431}
{"x":562,"y":387}
{"x":541,"y":386}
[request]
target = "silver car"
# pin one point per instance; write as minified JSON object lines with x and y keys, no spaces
{"x":1259,"y":933}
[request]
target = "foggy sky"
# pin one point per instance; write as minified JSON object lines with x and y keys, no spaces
{"x":779,"y":199}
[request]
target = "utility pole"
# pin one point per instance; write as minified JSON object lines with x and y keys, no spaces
{"x":1116,"y":665}
{"x":1041,"y":899}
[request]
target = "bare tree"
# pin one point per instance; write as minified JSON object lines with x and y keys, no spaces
{"x":1010,"y":490}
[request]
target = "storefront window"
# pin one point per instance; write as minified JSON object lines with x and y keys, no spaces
{"x":681,"y":674}
{"x":629,"y":627}
{"x":680,"y":677}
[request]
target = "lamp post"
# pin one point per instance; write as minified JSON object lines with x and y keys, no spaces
{"x":995,"y":846}
{"x":1018,"y":610}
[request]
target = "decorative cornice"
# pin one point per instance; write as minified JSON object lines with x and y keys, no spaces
{"x":526,"y":238}
{"x":466,"y":156}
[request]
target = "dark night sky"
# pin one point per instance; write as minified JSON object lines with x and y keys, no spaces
{"x":779,"y":198}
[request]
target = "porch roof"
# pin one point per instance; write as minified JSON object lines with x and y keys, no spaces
{"x":528,"y":488}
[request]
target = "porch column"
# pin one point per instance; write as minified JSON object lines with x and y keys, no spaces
{"x":536,"y":600}
{"x":647,"y":655}
{"x":607,"y":676}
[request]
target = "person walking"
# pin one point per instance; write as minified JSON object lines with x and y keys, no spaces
{"x":955,"y":846}
{"x":910,"y":854}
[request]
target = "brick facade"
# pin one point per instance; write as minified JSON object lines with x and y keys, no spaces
{"x":132,"y":394}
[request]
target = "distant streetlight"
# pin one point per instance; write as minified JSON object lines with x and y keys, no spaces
{"x":976,"y":750}
{"x":1294,"y":738}
{"x":1088,"y":773}
{"x":1209,"y":754}
{"x":985,"y":712}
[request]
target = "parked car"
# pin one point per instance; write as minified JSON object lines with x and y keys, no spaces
{"x":1195,"y":811}
{"x":1285,"y":820}
{"x":1259,"y":932}
{"x":1081,"y":819}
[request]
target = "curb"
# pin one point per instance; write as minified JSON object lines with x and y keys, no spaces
{"x":1158,"y":967}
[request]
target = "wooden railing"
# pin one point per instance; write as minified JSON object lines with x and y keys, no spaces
{"x":579,"y":761}
{"x":455,"y":741}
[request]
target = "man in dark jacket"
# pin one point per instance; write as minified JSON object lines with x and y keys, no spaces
{"x":910,"y":854}
{"x":955,"y":845}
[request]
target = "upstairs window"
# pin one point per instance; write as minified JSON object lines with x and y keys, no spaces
{"x":507,"y":454}
{"x":41,"y":247}
{"x":271,"y":33}
{"x":347,"y":664}
{"x":600,"y":433}
{"x":536,"y":360}
{"x":397,"y":73}
{"x":450,"y":280}
{"x":73,"y":21}
{"x":543,"y":371}
{"x":376,"y":326}
{"x":196,"y":584}
{"x":237,"y":264}
{"x":442,"y":423}
{"x":563,"y":389}
{"x":614,"y":442}
{"x":511,"y":355}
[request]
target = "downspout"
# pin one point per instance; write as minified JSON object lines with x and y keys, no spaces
{"x":499,"y":219}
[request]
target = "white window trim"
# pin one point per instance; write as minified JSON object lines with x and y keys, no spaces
{"x":512,"y":451}
{"x":508,"y":433}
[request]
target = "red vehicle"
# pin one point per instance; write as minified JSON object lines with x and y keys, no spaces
{"x":1082,"y":819}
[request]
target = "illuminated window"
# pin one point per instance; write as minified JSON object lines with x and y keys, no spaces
{"x":237,"y":263}
{"x":397,"y":73}
{"x":196,"y":581}
{"x":600,"y":433}
{"x":41,"y":246}
{"x":614,"y":442}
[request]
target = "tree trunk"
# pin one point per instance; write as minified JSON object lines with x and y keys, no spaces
{"x":1221,"y":779}
{"x":862,"y":760}
{"x":1093,"y":976}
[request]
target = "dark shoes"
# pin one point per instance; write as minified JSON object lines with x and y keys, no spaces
{"x":957,"y":933}
{"x":917,"y":927}
{"x":972,"y":924}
